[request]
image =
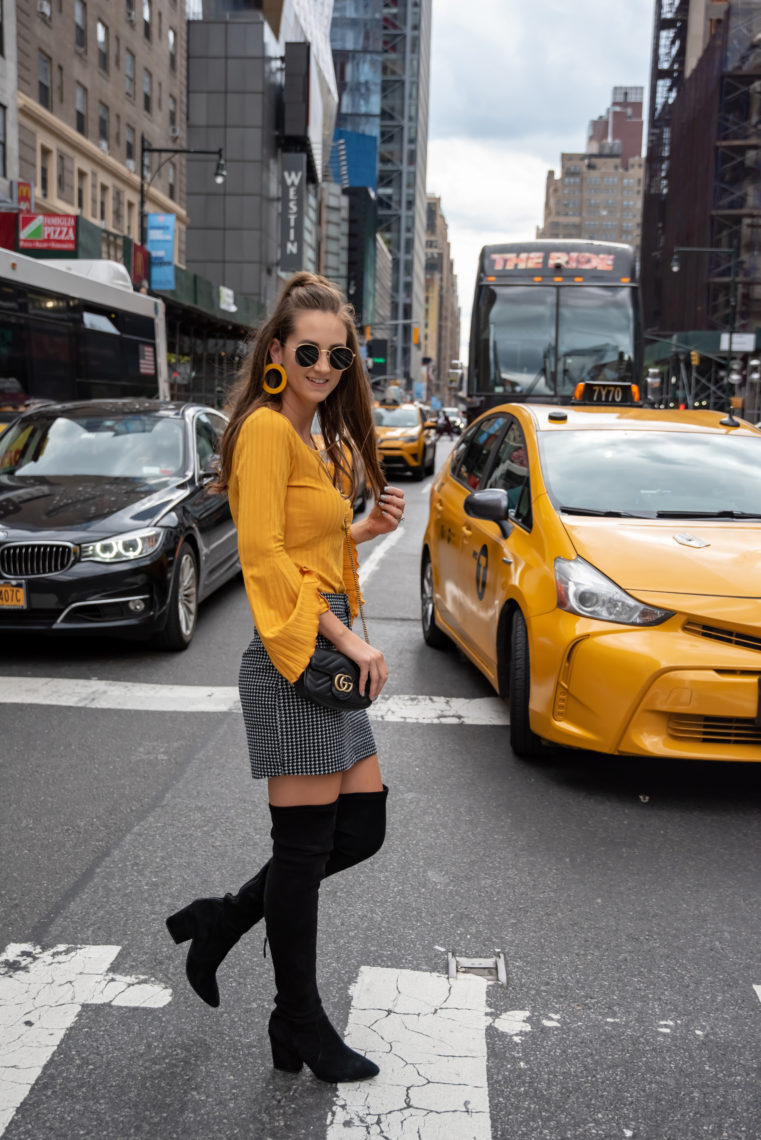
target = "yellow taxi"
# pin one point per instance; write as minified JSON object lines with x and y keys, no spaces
{"x":601,"y":566}
{"x":406,"y":438}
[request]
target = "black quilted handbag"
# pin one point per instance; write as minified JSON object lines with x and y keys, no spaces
{"x":331,"y":678}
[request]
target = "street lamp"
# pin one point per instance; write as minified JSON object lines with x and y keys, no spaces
{"x":220,"y":172}
{"x":730,"y":420}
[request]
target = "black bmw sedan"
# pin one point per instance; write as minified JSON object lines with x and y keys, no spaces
{"x":108,"y":520}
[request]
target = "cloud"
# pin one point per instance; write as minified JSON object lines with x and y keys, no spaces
{"x":512,"y":85}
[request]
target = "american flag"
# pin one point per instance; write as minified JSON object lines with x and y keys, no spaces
{"x":147,"y":360}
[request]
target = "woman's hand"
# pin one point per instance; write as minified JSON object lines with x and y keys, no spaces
{"x":372,"y":663}
{"x":387,"y":513}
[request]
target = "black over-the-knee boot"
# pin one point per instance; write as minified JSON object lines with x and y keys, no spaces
{"x":216,"y":924}
{"x":299,"y":1029}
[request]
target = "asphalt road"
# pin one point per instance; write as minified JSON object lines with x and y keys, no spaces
{"x":624,"y":895}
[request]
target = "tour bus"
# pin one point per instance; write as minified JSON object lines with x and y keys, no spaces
{"x":548,"y":318}
{"x":76,"y":331}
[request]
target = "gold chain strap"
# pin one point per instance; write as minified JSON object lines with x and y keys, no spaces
{"x":356,"y":581}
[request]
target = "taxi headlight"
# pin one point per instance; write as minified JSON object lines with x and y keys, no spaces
{"x":122,"y":547}
{"x":583,"y":590}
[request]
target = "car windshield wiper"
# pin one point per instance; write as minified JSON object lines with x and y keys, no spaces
{"x":602,"y":514}
{"x":707,"y":515}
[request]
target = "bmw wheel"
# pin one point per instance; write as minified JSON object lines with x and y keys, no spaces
{"x":432,"y":635}
{"x":183,"y":603}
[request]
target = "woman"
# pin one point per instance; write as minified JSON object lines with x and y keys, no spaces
{"x":298,"y":552}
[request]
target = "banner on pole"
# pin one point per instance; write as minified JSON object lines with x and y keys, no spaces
{"x":160,"y":245}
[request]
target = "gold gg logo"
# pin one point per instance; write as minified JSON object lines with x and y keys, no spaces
{"x":343,"y":682}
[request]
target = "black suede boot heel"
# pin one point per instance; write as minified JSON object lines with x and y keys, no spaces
{"x":215,"y":925}
{"x":318,"y":1046}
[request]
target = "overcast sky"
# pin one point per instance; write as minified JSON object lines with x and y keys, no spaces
{"x":514,"y":83}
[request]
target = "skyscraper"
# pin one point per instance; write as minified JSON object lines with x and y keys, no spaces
{"x":402,"y":172}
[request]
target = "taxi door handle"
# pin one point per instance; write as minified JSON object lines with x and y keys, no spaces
{"x":466,"y":532}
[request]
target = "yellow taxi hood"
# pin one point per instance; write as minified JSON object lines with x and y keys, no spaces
{"x":396,"y":432}
{"x":668,"y":556}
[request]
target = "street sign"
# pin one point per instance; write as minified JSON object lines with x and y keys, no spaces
{"x":741,"y":342}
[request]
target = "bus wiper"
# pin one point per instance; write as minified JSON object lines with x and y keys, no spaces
{"x":707,"y":515}
{"x":601,"y":514}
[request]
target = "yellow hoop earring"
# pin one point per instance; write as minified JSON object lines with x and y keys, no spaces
{"x":283,"y":379}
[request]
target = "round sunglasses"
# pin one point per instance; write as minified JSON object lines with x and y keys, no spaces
{"x":339,"y":356}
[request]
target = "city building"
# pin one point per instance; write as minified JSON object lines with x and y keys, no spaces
{"x":682,"y":30}
{"x":93,"y":79}
{"x":402,"y":173}
{"x":598,"y":193}
{"x":441,"y":330}
{"x":261,"y":85}
{"x":356,"y":39}
{"x":9,"y":170}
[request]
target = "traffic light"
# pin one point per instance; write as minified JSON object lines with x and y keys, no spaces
{"x":415,"y":334}
{"x":377,"y":354}
{"x":694,"y":358}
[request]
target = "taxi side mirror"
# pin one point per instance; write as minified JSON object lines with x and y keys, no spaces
{"x":492,"y":505}
{"x":429,"y":424}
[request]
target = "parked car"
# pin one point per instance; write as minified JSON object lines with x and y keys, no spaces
{"x":600,"y":566}
{"x":406,"y":438}
{"x":108,"y":519}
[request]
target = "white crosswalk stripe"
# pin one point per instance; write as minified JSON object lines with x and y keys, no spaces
{"x":141,"y":697}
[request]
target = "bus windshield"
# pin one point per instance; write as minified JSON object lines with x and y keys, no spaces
{"x":543,"y":340}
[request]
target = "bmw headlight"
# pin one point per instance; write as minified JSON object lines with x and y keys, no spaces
{"x":409,"y":438}
{"x":583,"y":590}
{"x":122,"y":547}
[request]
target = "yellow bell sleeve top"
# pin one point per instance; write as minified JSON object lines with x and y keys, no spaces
{"x":291,"y":537}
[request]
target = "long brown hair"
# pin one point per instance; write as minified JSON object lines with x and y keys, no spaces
{"x":346,"y":418}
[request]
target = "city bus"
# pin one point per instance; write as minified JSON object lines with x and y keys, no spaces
{"x":549,"y":316}
{"x":76,"y":331}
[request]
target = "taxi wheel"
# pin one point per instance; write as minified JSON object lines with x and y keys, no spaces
{"x":523,"y":741}
{"x":417,"y":473}
{"x":432,"y":635}
{"x":431,"y":467}
{"x":183,"y":604}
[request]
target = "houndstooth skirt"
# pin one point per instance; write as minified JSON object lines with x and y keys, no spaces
{"x":288,"y":735}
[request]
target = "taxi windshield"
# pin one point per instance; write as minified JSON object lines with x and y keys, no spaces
{"x":656,"y":474}
{"x":396,"y":417}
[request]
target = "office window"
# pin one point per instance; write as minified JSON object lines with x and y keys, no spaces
{"x":172,"y":116}
{"x":130,"y":4}
{"x":129,"y":143}
{"x":60,"y":174}
{"x":171,"y":177}
{"x":81,"y":190}
{"x":80,"y":25}
{"x":3,"y":113}
{"x":172,"y":49}
{"x":147,"y":19}
{"x":147,"y":90}
{"x":117,"y":56}
{"x":59,"y":70}
{"x":131,"y":231}
{"x":103,"y":123}
{"x":102,"y":46}
{"x":146,"y":161}
{"x":45,"y":156}
{"x":2,"y":31}
{"x":104,"y":205}
{"x":129,"y":74}
{"x":43,"y":79}
{"x":81,"y":106}
{"x":118,"y":130}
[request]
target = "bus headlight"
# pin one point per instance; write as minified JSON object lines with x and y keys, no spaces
{"x":122,"y":547}
{"x":585,"y":591}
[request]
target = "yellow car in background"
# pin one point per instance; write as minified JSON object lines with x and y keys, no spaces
{"x":602,"y":567}
{"x":406,"y":439}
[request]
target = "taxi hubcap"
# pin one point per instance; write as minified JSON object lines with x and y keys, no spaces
{"x":427,"y":595}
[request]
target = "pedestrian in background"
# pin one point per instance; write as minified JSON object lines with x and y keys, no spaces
{"x":297,"y":545}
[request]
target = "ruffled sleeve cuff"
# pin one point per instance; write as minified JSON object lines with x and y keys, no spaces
{"x":291,"y":644}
